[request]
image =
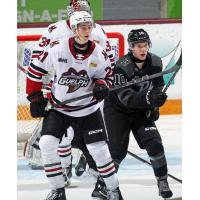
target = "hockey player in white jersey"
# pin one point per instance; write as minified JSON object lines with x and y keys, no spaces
{"x":80,"y":66}
{"x":62,"y":29}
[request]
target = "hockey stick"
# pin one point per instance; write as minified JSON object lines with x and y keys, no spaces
{"x":25,"y":71}
{"x":21,"y":68}
{"x":135,"y":81}
{"x":179,"y":63}
{"x":144,"y":161}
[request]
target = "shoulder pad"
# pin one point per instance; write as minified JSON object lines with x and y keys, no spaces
{"x":155,"y":60}
{"x":99,"y":27}
{"x":156,"y":64}
{"x":52,"y":27}
{"x":126,"y":66}
{"x":54,"y":43}
{"x":124,"y":61}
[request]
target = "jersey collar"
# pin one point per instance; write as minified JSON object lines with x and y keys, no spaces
{"x":76,"y":55}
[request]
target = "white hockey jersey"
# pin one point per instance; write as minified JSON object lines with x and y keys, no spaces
{"x":74,"y":75}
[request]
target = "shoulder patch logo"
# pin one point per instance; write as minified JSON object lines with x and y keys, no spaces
{"x":51,"y":28}
{"x":92,"y":64}
{"x":52,"y":44}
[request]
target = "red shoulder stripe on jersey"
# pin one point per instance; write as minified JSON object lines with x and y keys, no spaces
{"x":32,"y":86}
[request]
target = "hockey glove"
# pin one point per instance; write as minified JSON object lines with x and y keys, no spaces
{"x":38,"y":104}
{"x":153,"y":114}
{"x":100,"y":90}
{"x":155,"y":98}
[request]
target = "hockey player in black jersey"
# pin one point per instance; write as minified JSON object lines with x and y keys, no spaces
{"x":136,"y":108}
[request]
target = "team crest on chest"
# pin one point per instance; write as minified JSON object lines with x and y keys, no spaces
{"x":74,"y":80}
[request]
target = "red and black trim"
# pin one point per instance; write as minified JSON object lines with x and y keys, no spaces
{"x":37,"y":70}
{"x":55,"y":102}
{"x":36,"y":53}
{"x":86,"y":55}
{"x":34,"y":79}
{"x":64,"y":151}
{"x":54,"y":169}
{"x":107,"y":170}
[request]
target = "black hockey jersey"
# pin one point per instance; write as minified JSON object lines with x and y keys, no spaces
{"x":132,"y":99}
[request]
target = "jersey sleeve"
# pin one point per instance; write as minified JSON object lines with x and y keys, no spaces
{"x":128,"y":96}
{"x":104,"y":70}
{"x":39,"y":66}
{"x":105,"y":44}
{"x":44,"y":42}
{"x":39,"y":57}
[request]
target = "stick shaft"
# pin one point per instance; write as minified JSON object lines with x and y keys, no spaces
{"x":144,"y":161}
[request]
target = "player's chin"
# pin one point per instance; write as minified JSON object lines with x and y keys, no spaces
{"x":86,"y":38}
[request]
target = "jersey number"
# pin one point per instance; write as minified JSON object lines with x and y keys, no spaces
{"x":42,"y":56}
{"x":45,"y":41}
{"x":108,"y":47}
{"x":109,"y":72}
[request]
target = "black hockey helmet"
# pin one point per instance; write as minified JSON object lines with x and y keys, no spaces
{"x":138,"y":35}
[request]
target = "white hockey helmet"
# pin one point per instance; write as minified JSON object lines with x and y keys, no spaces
{"x":78,"y":5}
{"x":80,"y":17}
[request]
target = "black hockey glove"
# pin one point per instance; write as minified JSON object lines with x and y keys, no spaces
{"x":155,"y":98}
{"x":38,"y":104}
{"x":100,"y":90}
{"x":153,"y":114}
